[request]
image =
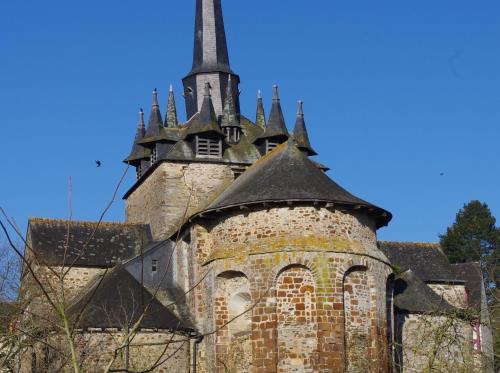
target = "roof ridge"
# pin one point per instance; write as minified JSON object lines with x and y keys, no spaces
{"x":83,"y":222}
{"x":412,"y":243}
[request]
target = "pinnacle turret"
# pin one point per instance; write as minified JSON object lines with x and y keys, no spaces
{"x":260,"y":119}
{"x":155,"y":123}
{"x":300,"y":134}
{"x":229,"y":115}
{"x":276,"y":124}
{"x":171,"y":120}
{"x":207,"y":112}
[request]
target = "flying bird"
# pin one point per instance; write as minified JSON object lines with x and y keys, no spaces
{"x":98,"y":163}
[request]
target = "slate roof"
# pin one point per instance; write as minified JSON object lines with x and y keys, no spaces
{"x":90,"y":244}
{"x":118,"y":300}
{"x":139,"y":152}
{"x":287,"y":175}
{"x":472,"y":275}
{"x":411,"y":294}
{"x":276,"y":126}
{"x":426,"y":260}
{"x":300,"y":134}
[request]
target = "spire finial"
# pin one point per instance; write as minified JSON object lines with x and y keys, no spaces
{"x":171,"y":87}
{"x":300,"y":110}
{"x":141,"y":118}
{"x":276,"y":95}
{"x":259,"y":94}
{"x":155,"y":97}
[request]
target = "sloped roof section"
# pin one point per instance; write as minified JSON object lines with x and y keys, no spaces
{"x":89,"y":243}
{"x":287,"y":175}
{"x":473,"y":277}
{"x":411,"y":294}
{"x":117,"y":300}
{"x":426,"y":260}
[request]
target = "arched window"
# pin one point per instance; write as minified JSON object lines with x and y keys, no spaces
{"x":357,"y":306}
{"x":233,"y":318}
{"x":297,"y":324}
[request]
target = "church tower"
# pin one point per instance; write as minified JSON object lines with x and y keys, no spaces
{"x":210,"y":61}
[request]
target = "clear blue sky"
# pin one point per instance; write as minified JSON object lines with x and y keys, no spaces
{"x":395,"y":92}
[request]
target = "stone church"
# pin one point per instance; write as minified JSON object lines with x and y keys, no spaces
{"x":240,"y":254}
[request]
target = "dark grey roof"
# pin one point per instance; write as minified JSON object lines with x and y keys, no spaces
{"x":206,"y":119}
{"x":300,"y":134}
{"x":473,"y":277}
{"x":411,"y":294}
{"x":276,"y":126}
{"x":90,"y":244}
{"x":426,"y":260}
{"x":117,"y":300}
{"x":287,"y":175}
{"x":155,"y":123}
{"x":210,"y":45}
{"x":138,"y":152}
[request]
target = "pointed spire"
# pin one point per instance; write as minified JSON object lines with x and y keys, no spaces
{"x":260,"y":119}
{"x":207,"y":112}
{"x":300,"y":134}
{"x":137,"y":151}
{"x":210,"y":45}
{"x":171,"y":116}
{"x":155,"y":123}
{"x":276,"y":124}
{"x":229,"y":115}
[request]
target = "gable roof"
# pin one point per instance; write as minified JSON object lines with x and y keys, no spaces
{"x":411,"y":294}
{"x":118,"y":300}
{"x":287,"y":175}
{"x":426,"y":260}
{"x":90,"y":243}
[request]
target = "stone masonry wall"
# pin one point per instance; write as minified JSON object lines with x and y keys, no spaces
{"x":173,"y":192}
{"x":432,"y":343}
{"x":453,"y":294}
{"x":273,"y":249}
{"x":95,"y":351}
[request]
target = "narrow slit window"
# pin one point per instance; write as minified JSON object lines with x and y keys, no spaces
{"x":138,"y":172}
{"x":154,"y":266}
{"x":154,"y":156}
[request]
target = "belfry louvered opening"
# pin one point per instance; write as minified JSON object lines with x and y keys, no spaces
{"x":207,"y":147}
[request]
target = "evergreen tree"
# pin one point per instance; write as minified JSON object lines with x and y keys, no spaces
{"x":473,"y":237}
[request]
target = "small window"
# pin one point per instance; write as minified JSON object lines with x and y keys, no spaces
{"x":154,"y":156}
{"x":154,"y":266}
{"x":208,"y":148}
{"x":270,"y":145}
{"x":138,"y":172}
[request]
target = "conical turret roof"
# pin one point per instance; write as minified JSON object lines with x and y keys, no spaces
{"x":138,"y":152}
{"x":155,"y":123}
{"x":229,"y":115}
{"x":171,"y":116}
{"x":300,"y":132}
{"x":206,"y":119}
{"x":287,"y":175}
{"x":260,"y":119}
{"x":276,"y":126}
